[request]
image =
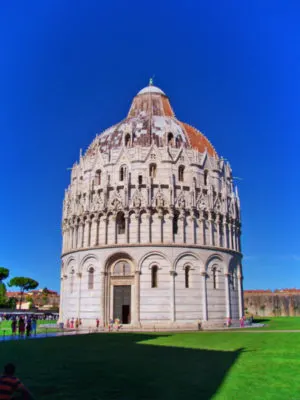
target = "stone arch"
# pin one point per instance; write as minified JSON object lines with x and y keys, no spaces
{"x":217,"y":259}
{"x":187,"y":254}
{"x":88,"y":261}
{"x":152,"y":253}
{"x":70,"y":265}
{"x":114,"y":257}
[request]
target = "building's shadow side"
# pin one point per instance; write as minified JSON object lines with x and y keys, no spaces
{"x":121,"y":366}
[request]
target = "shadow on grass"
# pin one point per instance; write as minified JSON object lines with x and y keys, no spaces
{"x":261,"y":320}
{"x":117,"y":366}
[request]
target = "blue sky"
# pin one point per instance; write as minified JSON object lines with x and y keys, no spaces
{"x":70,"y":69}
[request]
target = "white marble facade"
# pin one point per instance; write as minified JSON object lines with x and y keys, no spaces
{"x":151,"y":226}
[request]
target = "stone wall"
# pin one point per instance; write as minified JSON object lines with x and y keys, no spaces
{"x":272,"y":304}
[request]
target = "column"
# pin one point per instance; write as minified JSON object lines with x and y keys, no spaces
{"x":105,"y":222}
{"x":172,"y":299}
{"x":72,"y":241}
{"x":233,"y":236}
{"x":149,"y":219}
{"x":75,"y":232}
{"x":88,"y":242}
{"x":230,"y":235}
{"x":219,"y":230}
{"x":97,"y":221}
{"x":79,"y":275}
{"x":193,"y":236}
{"x":76,"y":236}
{"x":115,"y":232}
{"x":227,"y":295}
{"x":204,"y":297}
{"x":211,"y":230}
{"x":67,"y":238}
{"x":102,"y":315}
{"x":138,"y":227}
{"x":161,"y":217}
{"x":171,"y":218}
{"x":225,"y":233}
{"x":82,"y":233}
{"x":126,"y":216}
{"x":202,"y":227}
{"x":136,"y":316}
{"x":182,"y":218}
{"x":61,"y":304}
{"x":240,"y":294}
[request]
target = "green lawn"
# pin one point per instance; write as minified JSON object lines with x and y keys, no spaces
{"x":279,"y":322}
{"x":202,"y":365}
{"x":6,"y":326}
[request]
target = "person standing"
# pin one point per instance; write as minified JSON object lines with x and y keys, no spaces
{"x":28,"y":327}
{"x":97,"y":323}
{"x":21,"y":327}
{"x":14,"y":326}
{"x":33,"y":326}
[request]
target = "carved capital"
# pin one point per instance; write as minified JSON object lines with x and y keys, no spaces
{"x":79,"y":274}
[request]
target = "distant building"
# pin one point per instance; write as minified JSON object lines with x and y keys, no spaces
{"x":40,"y":299}
{"x":151,"y":225}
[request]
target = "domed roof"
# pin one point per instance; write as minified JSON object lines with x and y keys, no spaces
{"x":151,"y":89}
{"x":151,"y":120}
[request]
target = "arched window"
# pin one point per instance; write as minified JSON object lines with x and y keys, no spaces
{"x":122,"y":268}
{"x":72,"y":281}
{"x":214,"y":277}
{"x":140,"y":179}
{"x":127,"y":140}
{"x":152,"y":170}
{"x":170,"y":139}
{"x":181,"y":173}
{"x":120,"y":223}
{"x":123,"y":173}
{"x":205,"y":176}
{"x":98,"y":177}
{"x":154,"y":270}
{"x":91,"y":278}
{"x":187,"y":277}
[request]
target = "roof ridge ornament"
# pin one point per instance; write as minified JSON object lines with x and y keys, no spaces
{"x":151,"y":82}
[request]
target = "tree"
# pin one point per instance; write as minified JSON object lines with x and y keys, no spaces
{"x":3,"y":298}
{"x":24,"y":284}
{"x":12,"y":303}
{"x":45,"y":296}
{"x":4,"y":273}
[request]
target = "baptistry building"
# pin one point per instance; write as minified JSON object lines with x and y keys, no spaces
{"x":151,"y":226}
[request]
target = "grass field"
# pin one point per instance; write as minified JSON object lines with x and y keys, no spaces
{"x":278,"y":323}
{"x":5,"y":326}
{"x":202,"y":365}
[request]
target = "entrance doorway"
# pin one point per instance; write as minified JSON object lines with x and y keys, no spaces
{"x":122,"y":303}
